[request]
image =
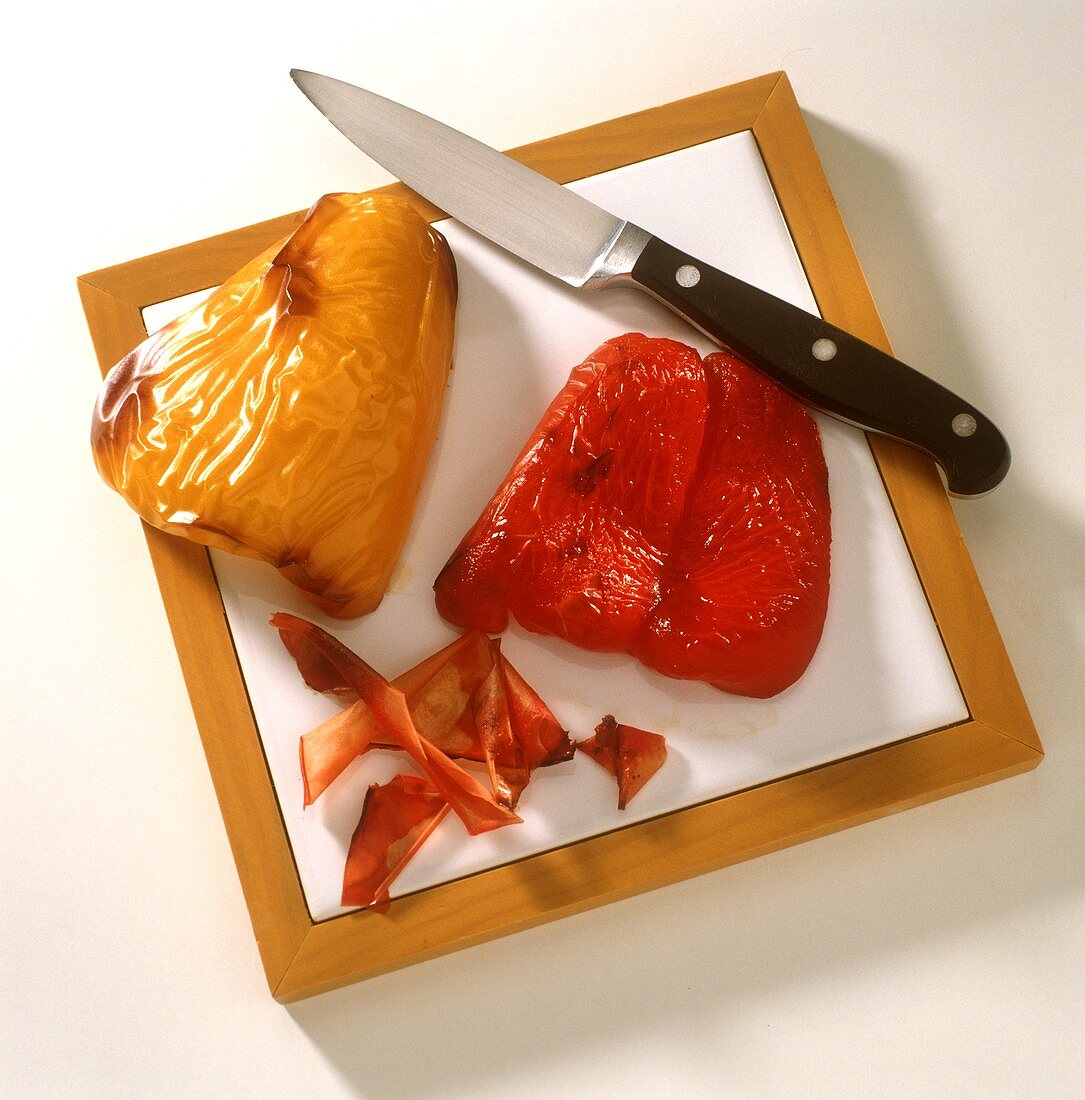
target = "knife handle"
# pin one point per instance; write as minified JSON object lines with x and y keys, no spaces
{"x":828,"y":368}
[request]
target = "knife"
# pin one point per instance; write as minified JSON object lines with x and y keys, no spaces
{"x":576,"y":241}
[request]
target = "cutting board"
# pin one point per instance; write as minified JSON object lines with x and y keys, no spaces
{"x":730,"y":177}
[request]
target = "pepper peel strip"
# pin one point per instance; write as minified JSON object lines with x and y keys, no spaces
{"x":543,"y":739}
{"x":438,"y":693}
{"x":443,"y":696}
{"x":509,"y":770}
{"x":473,"y":805}
{"x":517,"y":730}
{"x":326,"y":750}
{"x":631,"y":755}
{"x":397,"y":819}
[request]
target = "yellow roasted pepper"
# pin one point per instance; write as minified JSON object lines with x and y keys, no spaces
{"x":290,"y":416}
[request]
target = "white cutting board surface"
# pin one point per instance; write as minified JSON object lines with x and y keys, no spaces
{"x":880,"y":674}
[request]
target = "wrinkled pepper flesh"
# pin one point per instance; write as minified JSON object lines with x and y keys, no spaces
{"x":667,"y":506}
{"x":290,"y":416}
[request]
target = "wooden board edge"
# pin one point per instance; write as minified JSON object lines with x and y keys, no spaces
{"x":955,"y":595}
{"x":205,"y":650}
{"x":235,"y":755}
{"x":652,"y":854}
{"x":924,"y":514}
{"x":111,"y":320}
{"x":680,"y":124}
{"x":186,"y":268}
{"x":813,"y":218}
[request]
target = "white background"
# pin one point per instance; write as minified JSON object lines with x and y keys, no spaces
{"x":937,"y":953}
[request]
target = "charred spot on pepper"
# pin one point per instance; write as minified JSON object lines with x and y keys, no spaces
{"x":587,"y":479}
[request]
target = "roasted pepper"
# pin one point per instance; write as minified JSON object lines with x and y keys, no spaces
{"x":666,"y":506}
{"x":290,"y":416}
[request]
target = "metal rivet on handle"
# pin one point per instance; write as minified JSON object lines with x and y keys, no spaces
{"x":823,"y":350}
{"x":964,"y":424}
{"x":687,"y":275}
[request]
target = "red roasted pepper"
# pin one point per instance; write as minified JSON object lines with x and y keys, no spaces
{"x":666,"y":506}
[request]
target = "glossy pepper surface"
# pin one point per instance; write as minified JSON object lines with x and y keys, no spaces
{"x":666,"y":506}
{"x":290,"y":416}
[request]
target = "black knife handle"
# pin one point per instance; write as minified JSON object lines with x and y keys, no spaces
{"x":828,"y":368}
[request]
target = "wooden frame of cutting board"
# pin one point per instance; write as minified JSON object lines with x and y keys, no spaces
{"x":302,"y":957}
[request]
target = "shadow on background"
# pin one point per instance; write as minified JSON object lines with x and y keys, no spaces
{"x":696,"y":959}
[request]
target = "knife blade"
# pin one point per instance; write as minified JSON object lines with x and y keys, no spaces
{"x":574,"y":240}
